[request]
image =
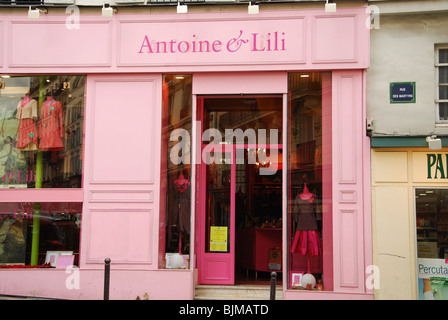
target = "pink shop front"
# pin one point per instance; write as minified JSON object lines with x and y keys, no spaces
{"x":190,"y":149}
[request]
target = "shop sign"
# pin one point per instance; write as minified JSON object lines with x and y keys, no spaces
{"x":429,"y":166}
{"x":437,"y":165}
{"x":273,"y":41}
{"x":432,"y":267}
{"x":211,"y":42}
{"x":402,"y":92}
{"x":432,"y":279}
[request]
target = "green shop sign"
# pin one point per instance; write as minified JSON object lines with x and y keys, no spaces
{"x":437,"y":163}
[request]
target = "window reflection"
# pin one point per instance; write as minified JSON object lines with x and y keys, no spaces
{"x":432,"y":242}
{"x":41,"y":133}
{"x":305,"y":181}
{"x":175,"y":177}
{"x":32,"y":232}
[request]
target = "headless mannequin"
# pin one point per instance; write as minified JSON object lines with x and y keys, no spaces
{"x":27,"y":115}
{"x":182,"y":185}
{"x":51,"y":125}
{"x":306,"y":195}
{"x":49,"y":101}
{"x":303,"y":214}
{"x":25,"y":100}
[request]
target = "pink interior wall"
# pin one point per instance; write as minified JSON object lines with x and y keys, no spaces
{"x":163,"y":172}
{"x":327,"y":183}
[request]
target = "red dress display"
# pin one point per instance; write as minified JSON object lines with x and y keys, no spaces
{"x":51,"y":126}
{"x":306,"y":239}
{"x":27,"y":133}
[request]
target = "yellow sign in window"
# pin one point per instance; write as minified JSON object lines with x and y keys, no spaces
{"x":218,"y":239}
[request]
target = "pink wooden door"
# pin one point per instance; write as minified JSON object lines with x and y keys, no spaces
{"x":216,"y":252}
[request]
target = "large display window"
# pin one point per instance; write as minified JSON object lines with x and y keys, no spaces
{"x":41,"y":131}
{"x":36,"y":234}
{"x":175,"y":172}
{"x":41,"y":147}
{"x":308,"y":200}
{"x":432,"y":243}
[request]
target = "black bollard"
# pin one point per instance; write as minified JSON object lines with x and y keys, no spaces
{"x":273,"y":284}
{"x":106,"y":278}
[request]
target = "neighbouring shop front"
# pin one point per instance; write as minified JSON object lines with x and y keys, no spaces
{"x":211,"y":153}
{"x":410,"y":209}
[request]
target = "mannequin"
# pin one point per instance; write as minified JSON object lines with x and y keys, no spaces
{"x":181,"y":208}
{"x":51,"y":125}
{"x":7,"y":159}
{"x":181,"y":183}
{"x":306,"y":238}
{"x":27,"y":115}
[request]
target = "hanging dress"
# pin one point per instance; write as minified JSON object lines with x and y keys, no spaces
{"x":27,"y":135}
{"x":51,"y":126}
{"x":181,"y":208}
{"x":306,"y":239}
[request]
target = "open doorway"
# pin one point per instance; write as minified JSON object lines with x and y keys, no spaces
{"x":240,"y":196}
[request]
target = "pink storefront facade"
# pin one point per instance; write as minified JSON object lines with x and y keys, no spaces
{"x":302,"y":67}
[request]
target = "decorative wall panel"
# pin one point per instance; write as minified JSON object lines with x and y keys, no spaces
{"x":348,"y":190}
{"x":121,"y":182}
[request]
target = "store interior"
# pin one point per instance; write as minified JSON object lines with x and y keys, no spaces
{"x":258,"y":193}
{"x":432,"y":223}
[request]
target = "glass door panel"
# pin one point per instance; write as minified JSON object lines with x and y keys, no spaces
{"x":216,"y":253}
{"x":218,"y":207}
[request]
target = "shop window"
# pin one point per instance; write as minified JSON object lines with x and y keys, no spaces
{"x":36,"y":234}
{"x":174,"y":241}
{"x":41,"y":131}
{"x":309,"y":139}
{"x":442,"y":82}
{"x":432,"y":243}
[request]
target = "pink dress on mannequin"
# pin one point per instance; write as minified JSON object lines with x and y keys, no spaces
{"x":27,"y":114}
{"x":51,"y":126}
{"x":306,"y":240}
